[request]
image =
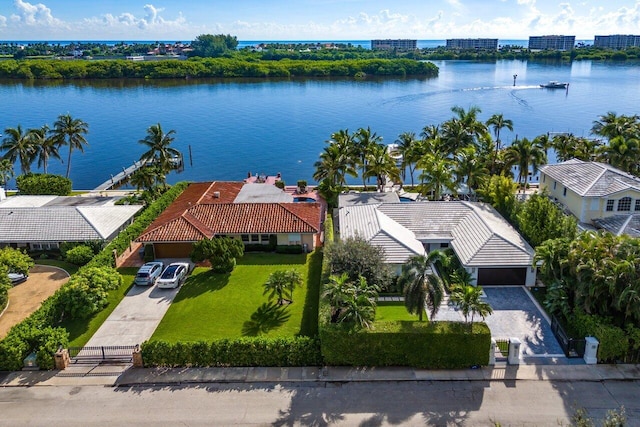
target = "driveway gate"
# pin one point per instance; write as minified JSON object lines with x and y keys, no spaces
{"x":572,"y":347}
{"x":502,"y":349}
{"x":102,"y":354}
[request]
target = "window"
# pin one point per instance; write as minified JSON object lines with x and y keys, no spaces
{"x":295,"y":239}
{"x":609,"y":205}
{"x":624,"y":204}
{"x":564,"y":192}
{"x":444,"y":245}
{"x":264,"y":239}
{"x":554,"y":184}
{"x":255,"y":238}
{"x":637,"y":208}
{"x":245,"y":238}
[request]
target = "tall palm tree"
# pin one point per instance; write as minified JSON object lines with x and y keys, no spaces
{"x":407,"y":144}
{"x":18,"y":147}
{"x":622,"y":153}
{"x":334,"y":164}
{"x":364,"y":142}
{"x":469,"y":120}
{"x":525,"y":155}
{"x":159,"y":147}
{"x":470,"y":169}
{"x":611,"y":125}
{"x":71,"y":132}
{"x":437,"y":174}
{"x":423,"y":290}
{"x":281,"y":283}
{"x":469,"y":300}
{"x":45,"y":146}
{"x":498,"y":122}
{"x":382,"y":166}
{"x":145,"y":178}
{"x":6,"y":171}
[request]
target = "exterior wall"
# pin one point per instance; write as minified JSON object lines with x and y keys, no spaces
{"x":308,"y":239}
{"x":433,"y":245}
{"x":173,"y":250}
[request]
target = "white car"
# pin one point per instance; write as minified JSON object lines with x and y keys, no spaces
{"x":174,"y":275}
{"x":148,"y":273}
{"x":17,"y":278}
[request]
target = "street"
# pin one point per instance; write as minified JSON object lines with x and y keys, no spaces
{"x":472,"y":403}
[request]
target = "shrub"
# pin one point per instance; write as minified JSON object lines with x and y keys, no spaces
{"x":259,"y":351}
{"x":43,"y":184}
{"x":357,"y":257}
{"x":5,"y":285}
{"x":80,"y":255}
{"x":289,"y":249}
{"x":435,"y":345}
{"x":614,"y":342}
{"x":257,"y":247}
{"x":95,"y":245}
{"x":279,"y":184}
{"x":221,"y":252}
{"x":15,"y":260}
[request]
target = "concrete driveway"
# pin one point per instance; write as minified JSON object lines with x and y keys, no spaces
{"x":136,"y":317}
{"x":515,"y":315}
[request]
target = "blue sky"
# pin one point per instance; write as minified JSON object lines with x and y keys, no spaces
{"x":182,"y":20}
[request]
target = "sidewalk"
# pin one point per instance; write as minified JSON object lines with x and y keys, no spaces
{"x":126,"y":376}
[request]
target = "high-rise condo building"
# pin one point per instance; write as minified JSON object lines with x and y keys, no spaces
{"x":552,"y":42}
{"x":617,"y":41}
{"x":400,"y":44}
{"x":484,"y":44}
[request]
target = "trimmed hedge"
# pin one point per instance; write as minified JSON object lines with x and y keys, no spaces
{"x":434,"y":345}
{"x":615,"y":342}
{"x":43,"y":184}
{"x":260,"y":351}
{"x":289,"y":249}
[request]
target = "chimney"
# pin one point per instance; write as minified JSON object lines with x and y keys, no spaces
{"x":216,"y":194}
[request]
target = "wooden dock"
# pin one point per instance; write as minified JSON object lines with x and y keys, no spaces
{"x":119,"y":178}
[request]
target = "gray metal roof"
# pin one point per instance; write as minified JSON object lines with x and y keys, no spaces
{"x":262,"y":193}
{"x":62,"y":223}
{"x":620,"y":224}
{"x":367,"y":198}
{"x":591,"y":179}
{"x":479,"y":235}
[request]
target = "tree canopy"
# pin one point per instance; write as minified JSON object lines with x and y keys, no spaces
{"x":212,"y":46}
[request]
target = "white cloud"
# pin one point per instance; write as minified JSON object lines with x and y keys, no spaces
{"x":34,"y":14}
{"x":3,"y":21}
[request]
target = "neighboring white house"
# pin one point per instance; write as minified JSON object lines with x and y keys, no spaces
{"x":596,"y":193}
{"x":488,"y":247}
{"x":43,"y":222}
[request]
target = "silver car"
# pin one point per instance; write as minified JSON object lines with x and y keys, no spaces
{"x":174,"y":275}
{"x":148,"y":273}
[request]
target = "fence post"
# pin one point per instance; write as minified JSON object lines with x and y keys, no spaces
{"x":492,"y":352}
{"x":591,"y":350}
{"x":137,"y":357}
{"x":514,"y":351}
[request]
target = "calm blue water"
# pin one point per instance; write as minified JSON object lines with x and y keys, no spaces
{"x":281,"y":126}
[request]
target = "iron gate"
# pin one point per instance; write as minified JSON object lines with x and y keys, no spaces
{"x":502,"y":349}
{"x":572,"y":347}
{"x":102,"y":354}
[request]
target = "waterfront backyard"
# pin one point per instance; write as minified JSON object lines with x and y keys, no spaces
{"x":213,"y":306}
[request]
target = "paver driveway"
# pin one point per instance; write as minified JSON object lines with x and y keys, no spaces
{"x":516,"y":316}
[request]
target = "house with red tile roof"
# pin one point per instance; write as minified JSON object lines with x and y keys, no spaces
{"x":253,"y":213}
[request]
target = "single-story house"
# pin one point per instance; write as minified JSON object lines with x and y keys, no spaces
{"x":253,"y":213}
{"x":488,"y":247}
{"x":597,"y":194}
{"x":44,"y":222}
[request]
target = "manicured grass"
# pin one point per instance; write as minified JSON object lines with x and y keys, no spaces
{"x":393,"y":310}
{"x":211,"y":306}
{"x":66,"y":266}
{"x":80,"y":331}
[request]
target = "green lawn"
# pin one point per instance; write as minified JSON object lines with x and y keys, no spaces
{"x":81,"y":330}
{"x":393,"y":310}
{"x":212,"y":306}
{"x":66,"y":266}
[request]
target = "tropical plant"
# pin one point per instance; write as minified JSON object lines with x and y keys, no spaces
{"x":610,"y":125}
{"x":499,"y":191}
{"x":6,"y":171}
{"x":334,"y":164}
{"x":364,"y":141}
{"x":526,"y":155}
{"x":382,"y":166}
{"x":71,"y":132}
{"x":470,"y":169}
{"x":497,"y":123}
{"x":337,"y":291}
{"x":409,"y":149}
{"x":45,"y":147}
{"x":145,"y":178}
{"x":15,"y":260}
{"x":469,"y":300}
{"x":221,"y":252}
{"x":437,"y":176}
{"x":539,"y":219}
{"x":160,"y":153}
{"x":423,"y":290}
{"x":281,"y":284}
{"x":18,"y":146}
{"x":360,"y":306}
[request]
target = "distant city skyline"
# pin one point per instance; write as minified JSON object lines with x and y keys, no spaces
{"x":314,"y":19}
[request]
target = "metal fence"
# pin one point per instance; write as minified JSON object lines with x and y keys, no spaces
{"x":572,"y":347}
{"x":502,"y":349}
{"x":102,"y":354}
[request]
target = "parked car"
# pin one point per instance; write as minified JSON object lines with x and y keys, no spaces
{"x":174,"y":275}
{"x":148,"y":273}
{"x":17,"y":278}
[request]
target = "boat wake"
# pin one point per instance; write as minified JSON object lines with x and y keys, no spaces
{"x":418,"y":96}
{"x":521,"y":101}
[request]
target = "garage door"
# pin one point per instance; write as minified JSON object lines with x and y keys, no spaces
{"x":173,"y":250}
{"x":502,"y":276}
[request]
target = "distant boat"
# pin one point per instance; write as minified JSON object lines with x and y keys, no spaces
{"x":554,"y":85}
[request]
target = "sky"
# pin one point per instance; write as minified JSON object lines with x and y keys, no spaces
{"x":183,"y":20}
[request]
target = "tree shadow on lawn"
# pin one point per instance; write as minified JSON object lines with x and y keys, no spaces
{"x":261,"y":258}
{"x":201,"y":283}
{"x":267,"y":317}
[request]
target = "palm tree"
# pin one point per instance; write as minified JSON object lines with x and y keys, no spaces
{"x":421,"y":287}
{"x":622,"y":153}
{"x":469,"y":300}
{"x":407,"y":144}
{"x":364,"y":142}
{"x":6,"y":171}
{"x":611,"y":125}
{"x":498,"y":122}
{"x":470,"y":169}
{"x":159,"y":147}
{"x":337,"y":291}
{"x":281,"y":283}
{"x":71,"y":132}
{"x":45,"y":146}
{"x":333,"y":166}
{"x":360,"y":305}
{"x":382,"y":166}
{"x":437,"y":174}
{"x":145,"y":178}
{"x":469,"y":121}
{"x":18,"y":147}
{"x":526,"y":155}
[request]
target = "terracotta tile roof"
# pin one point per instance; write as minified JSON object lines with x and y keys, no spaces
{"x":197,"y":214}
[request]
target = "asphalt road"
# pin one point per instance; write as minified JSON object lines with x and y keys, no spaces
{"x":475,"y":403}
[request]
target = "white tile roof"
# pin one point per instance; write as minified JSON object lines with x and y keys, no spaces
{"x":62,"y":223}
{"x":479,"y":235}
{"x":26,"y":201}
{"x":262,"y":193}
{"x":591,"y":179}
